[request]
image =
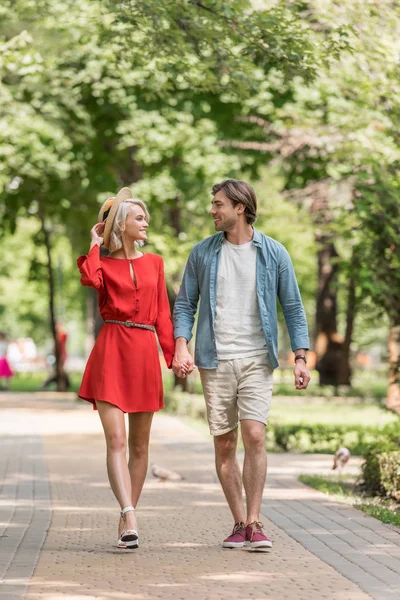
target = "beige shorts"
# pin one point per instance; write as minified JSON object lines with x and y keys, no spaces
{"x":238,"y":389}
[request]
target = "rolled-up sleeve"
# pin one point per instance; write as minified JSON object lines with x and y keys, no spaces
{"x":292,"y":305}
{"x":187,"y":300}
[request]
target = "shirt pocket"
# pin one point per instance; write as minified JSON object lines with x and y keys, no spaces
{"x":271,"y":278}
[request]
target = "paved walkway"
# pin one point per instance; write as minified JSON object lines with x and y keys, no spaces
{"x":52,"y":477}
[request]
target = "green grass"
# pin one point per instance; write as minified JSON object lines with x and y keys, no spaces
{"x":307,"y":424}
{"x":311,"y":412}
{"x":366,"y":390}
{"x":383,"y":512}
{"x":336,"y":486}
{"x":327,"y":413}
{"x":345,"y":488}
{"x":197,"y":424}
{"x":31,"y":382}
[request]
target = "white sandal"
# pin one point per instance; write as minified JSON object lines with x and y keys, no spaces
{"x":120,"y":543}
{"x":129,"y":538}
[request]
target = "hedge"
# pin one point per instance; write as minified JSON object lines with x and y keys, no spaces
{"x":321,"y":438}
{"x":381,"y":469}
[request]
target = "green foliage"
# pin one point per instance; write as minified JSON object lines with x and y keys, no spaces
{"x":390,"y":473}
{"x":186,"y":405}
{"x":380,"y":470}
{"x":310,"y":427}
{"x":329,"y":411}
{"x":343,"y":489}
{"x":328,"y":438}
{"x":328,"y":485}
{"x":384,"y":512}
{"x":81,"y":82}
{"x":31,"y":382}
{"x":376,"y":390}
{"x":214,"y":45}
{"x":23,"y":284}
{"x":161,"y":95}
{"x":322,"y":438}
{"x":101,"y":95}
{"x":342,"y":131}
{"x":376,"y":239}
{"x":280,"y":219}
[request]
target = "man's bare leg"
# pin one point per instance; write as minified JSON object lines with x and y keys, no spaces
{"x":229,"y":473}
{"x":254,"y":467}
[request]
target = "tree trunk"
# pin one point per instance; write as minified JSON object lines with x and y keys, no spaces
{"x":393,"y":399}
{"x":332,"y":351}
{"x":344,"y":367}
{"x":61,"y":379}
{"x":328,"y":342}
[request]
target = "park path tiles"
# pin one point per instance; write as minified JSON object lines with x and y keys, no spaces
{"x":356,"y":545}
{"x":25,"y":511}
{"x":322,"y":550}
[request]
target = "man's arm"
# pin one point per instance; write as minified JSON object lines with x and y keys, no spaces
{"x":295,"y":317}
{"x":301,"y":374}
{"x":182,"y":363}
{"x":185,"y":309}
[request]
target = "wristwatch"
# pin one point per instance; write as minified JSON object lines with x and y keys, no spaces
{"x":300,"y":356}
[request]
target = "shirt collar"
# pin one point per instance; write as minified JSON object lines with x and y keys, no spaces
{"x":257,"y":237}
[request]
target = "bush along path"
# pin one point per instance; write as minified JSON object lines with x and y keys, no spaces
{"x":308,"y":427}
{"x":324,"y":438}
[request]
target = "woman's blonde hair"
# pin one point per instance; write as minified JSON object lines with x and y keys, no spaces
{"x":119,"y":223}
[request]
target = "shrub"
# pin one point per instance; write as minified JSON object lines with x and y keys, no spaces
{"x":381,"y":469}
{"x":389,"y":463}
{"x":183,"y":404}
{"x":323,"y":438}
{"x":371,"y":469}
{"x":319,"y":437}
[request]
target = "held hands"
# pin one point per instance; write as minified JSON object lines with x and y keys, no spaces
{"x":182,"y":364}
{"x":96,"y":234}
{"x":301,"y":375}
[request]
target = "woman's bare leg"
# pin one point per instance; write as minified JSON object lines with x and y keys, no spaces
{"x":139,"y":436}
{"x":112,"y":419}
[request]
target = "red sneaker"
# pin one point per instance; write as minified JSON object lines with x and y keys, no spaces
{"x":237,"y":538}
{"x":256,"y":537}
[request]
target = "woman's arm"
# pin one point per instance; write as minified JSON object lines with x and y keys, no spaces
{"x":89,"y":265}
{"x":164,"y":328}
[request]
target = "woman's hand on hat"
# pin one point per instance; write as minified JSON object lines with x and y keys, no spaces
{"x":96,"y":233}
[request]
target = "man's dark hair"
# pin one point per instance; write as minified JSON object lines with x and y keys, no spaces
{"x":239,"y":192}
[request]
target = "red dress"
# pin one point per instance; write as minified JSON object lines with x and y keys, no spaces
{"x":124,"y":366}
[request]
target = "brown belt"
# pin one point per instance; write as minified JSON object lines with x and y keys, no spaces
{"x":131,"y":324}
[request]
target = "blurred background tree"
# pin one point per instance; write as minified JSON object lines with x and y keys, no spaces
{"x":100,"y":95}
{"x":300,"y":98}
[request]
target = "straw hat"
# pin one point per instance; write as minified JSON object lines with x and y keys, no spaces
{"x":109,"y":210}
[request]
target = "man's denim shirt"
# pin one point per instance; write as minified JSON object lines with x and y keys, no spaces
{"x":275,"y":277}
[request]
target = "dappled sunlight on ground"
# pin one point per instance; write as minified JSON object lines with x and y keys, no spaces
{"x":181,"y":523}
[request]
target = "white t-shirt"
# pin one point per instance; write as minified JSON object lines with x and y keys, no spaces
{"x":237,"y":326}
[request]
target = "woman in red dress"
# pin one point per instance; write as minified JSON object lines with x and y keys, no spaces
{"x":123,"y":373}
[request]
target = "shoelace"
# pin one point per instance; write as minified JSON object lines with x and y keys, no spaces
{"x":257,"y":526}
{"x":237,"y":527}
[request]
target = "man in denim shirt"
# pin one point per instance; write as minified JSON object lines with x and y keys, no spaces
{"x":237,"y":275}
